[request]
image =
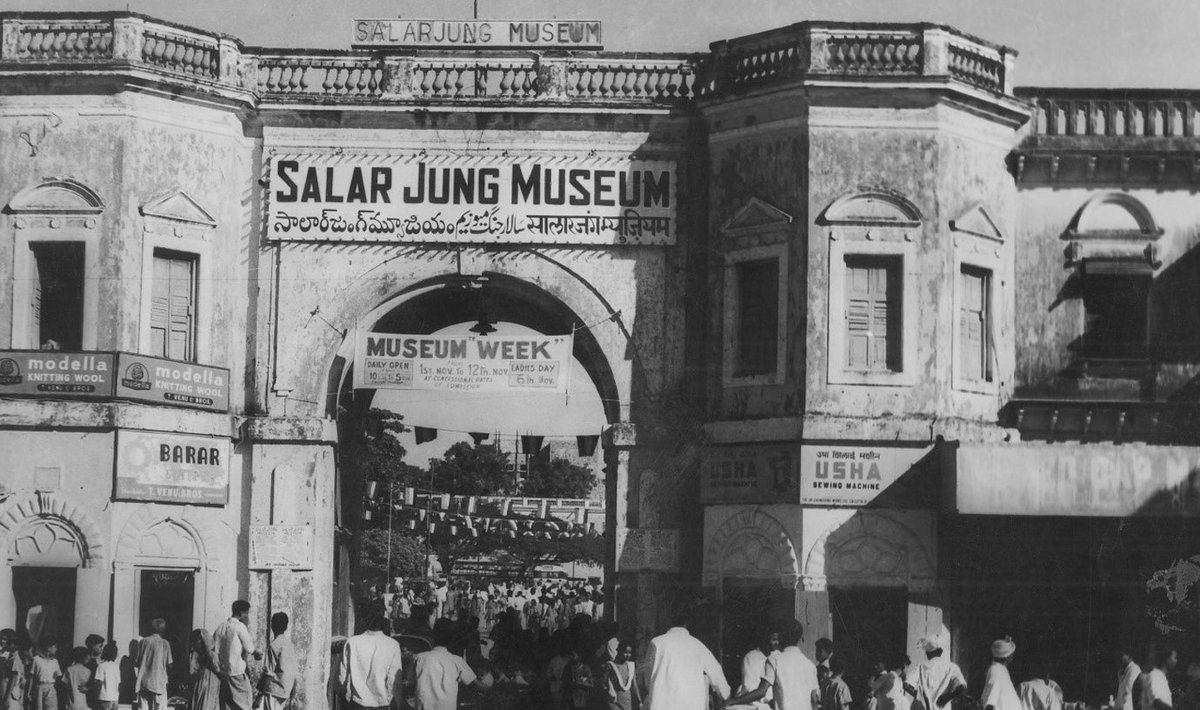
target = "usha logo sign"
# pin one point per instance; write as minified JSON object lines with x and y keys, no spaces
{"x":573,"y":34}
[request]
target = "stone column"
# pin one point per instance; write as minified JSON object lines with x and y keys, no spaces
{"x":812,"y":610}
{"x":91,"y":599}
{"x":293,"y":482}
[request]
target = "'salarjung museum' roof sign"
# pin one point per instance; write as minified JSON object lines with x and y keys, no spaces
{"x":481,"y":34}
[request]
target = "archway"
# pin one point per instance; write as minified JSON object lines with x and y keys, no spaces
{"x":446,"y":306}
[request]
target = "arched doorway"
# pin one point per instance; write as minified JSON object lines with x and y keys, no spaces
{"x":450,"y":305}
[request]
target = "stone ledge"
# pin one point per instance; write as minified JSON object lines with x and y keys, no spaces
{"x":279,"y":430}
{"x":105,"y":416}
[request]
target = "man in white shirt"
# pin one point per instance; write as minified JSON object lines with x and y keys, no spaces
{"x":681,"y":670}
{"x":370,"y":667}
{"x":439,"y":672}
{"x":1156,"y":693}
{"x":1126,"y":678}
{"x":793,"y":674}
{"x":234,"y":646}
{"x":755,"y":690}
{"x":939,"y":681}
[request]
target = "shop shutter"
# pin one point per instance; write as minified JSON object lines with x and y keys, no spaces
{"x":172,"y":306}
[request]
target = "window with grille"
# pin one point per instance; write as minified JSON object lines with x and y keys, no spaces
{"x":974,"y":324}
{"x":173,"y":306}
{"x":757,"y":323}
{"x":873,"y":313}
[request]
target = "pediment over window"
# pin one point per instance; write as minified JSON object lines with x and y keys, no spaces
{"x":1115,"y":214}
{"x":872,"y":208}
{"x":1113,"y":233}
{"x":978,"y":222}
{"x":756,"y":215}
{"x":178,"y":206}
{"x":62,"y":196}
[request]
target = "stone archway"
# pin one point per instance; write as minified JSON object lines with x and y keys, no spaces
{"x":151,"y":541}
{"x":62,"y":518}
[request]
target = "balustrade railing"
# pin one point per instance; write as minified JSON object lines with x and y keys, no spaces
{"x":180,"y":53}
{"x":58,"y":41}
{"x":806,"y":50}
{"x":1111,"y":113}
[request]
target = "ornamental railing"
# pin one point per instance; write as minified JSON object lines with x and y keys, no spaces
{"x":1098,"y":113}
{"x":121,"y":42}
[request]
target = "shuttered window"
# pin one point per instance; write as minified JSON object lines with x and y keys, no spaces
{"x":873,"y":313}
{"x":173,"y":306}
{"x":56,"y":304}
{"x":758,"y":317}
{"x":974,"y":327}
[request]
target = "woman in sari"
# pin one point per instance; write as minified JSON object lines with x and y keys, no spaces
{"x":202,"y":663}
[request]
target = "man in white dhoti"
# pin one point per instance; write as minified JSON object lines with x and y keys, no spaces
{"x":998,"y":691}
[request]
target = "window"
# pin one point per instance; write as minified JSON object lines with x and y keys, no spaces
{"x":974,"y":324}
{"x":873,"y":315}
{"x":758,"y":317}
{"x":56,"y":300}
{"x":173,"y":306}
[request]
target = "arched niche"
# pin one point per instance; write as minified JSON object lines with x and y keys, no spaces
{"x":751,"y":544}
{"x":1113,"y":214}
{"x":870,"y":549}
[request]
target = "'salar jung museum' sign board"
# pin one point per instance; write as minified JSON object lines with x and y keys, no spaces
{"x":490,"y":199}
{"x":477,"y":34}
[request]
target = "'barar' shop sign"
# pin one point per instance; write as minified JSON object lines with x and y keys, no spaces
{"x":489,"y":34}
{"x":472,"y":200}
{"x":462,"y":363}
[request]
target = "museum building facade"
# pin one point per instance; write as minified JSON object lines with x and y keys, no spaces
{"x":883,"y":343}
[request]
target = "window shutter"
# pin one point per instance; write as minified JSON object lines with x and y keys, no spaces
{"x":35,"y":302}
{"x":973,"y":325}
{"x":172,"y":307}
{"x":872,"y":315}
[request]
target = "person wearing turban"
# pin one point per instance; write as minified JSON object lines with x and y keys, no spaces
{"x":939,"y":680}
{"x":998,"y":691}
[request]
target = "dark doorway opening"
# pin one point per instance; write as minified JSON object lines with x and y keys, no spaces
{"x":168,"y":595}
{"x":869,"y":624}
{"x":748,"y":607}
{"x":45,"y":603}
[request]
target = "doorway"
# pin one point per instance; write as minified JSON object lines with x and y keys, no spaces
{"x":168,"y":594}
{"x":45,"y":603}
{"x":869,"y":624}
{"x":747,"y":607}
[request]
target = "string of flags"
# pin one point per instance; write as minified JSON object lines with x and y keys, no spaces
{"x":530,"y":443}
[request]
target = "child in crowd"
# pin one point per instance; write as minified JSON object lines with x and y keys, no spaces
{"x":44,"y":674}
{"x":107,"y":678}
{"x":76,"y":680}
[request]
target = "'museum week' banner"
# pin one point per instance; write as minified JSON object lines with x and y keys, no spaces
{"x":488,"y":199}
{"x":462,"y":363}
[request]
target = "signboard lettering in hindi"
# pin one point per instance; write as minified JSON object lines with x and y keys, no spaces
{"x":58,"y":374}
{"x":172,"y":468}
{"x":472,"y":200}
{"x":852,"y":475}
{"x":281,"y":547}
{"x":487,"y":34}
{"x":463,"y":363}
{"x":159,"y":381}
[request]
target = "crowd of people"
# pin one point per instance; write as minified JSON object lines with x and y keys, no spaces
{"x":530,"y":661}
{"x":35,"y":676}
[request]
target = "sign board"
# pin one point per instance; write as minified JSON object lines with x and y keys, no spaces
{"x":478,"y":34}
{"x":172,"y":468}
{"x":655,"y":549}
{"x":750,"y":474}
{"x":488,"y":199}
{"x":55,"y":374}
{"x":281,"y":547}
{"x":462,"y":363}
{"x":852,"y":475}
{"x":159,"y":381}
